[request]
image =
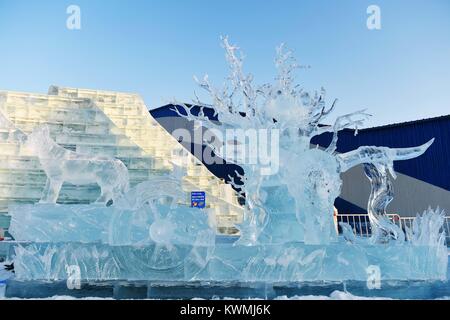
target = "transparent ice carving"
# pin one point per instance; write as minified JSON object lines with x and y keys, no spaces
{"x":62,"y":165}
{"x":288,"y":233}
{"x":148,"y":214}
{"x":312,"y":175}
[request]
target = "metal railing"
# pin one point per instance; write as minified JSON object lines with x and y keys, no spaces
{"x":361,"y":223}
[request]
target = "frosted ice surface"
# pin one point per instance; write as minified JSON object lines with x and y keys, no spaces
{"x":292,"y":262}
{"x":312,"y":176}
{"x":144,"y":221}
{"x":288,"y":232}
{"x":62,"y":165}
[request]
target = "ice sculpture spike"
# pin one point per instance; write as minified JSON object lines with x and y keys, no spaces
{"x":288,"y":233}
{"x":62,"y":165}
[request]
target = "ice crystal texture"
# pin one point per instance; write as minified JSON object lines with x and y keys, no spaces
{"x":288,"y":232}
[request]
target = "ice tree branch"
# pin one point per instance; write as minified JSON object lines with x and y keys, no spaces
{"x":353,"y":120}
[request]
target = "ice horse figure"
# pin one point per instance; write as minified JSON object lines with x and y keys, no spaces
{"x":62,"y":165}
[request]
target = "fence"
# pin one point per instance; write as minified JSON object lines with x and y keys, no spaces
{"x":361,"y":224}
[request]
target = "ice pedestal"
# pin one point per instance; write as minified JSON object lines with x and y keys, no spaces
{"x":118,"y":244}
{"x":49,"y":262}
{"x":291,"y":262}
{"x":110,"y":225}
{"x":106,"y":243}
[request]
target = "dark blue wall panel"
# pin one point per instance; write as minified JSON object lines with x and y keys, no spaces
{"x":346,"y":207}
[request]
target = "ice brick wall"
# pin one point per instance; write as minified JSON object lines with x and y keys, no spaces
{"x":99,"y":123}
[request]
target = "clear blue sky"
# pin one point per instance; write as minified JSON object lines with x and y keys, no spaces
{"x":399,"y":73}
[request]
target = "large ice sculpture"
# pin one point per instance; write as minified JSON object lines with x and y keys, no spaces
{"x":62,"y":165}
{"x":288,"y":233}
{"x":312,"y":175}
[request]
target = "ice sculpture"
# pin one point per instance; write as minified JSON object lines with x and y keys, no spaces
{"x":237,"y":114}
{"x":312,"y":175}
{"x":288,"y":233}
{"x":147,"y":218}
{"x":62,"y":165}
{"x":144,"y":235}
{"x":426,"y":229}
{"x":149,"y":213}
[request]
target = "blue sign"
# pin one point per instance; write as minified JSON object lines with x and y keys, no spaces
{"x":198,"y":199}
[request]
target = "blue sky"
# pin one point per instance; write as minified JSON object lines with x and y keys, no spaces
{"x":400,"y":73}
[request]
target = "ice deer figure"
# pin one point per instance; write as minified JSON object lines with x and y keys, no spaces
{"x":62,"y":165}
